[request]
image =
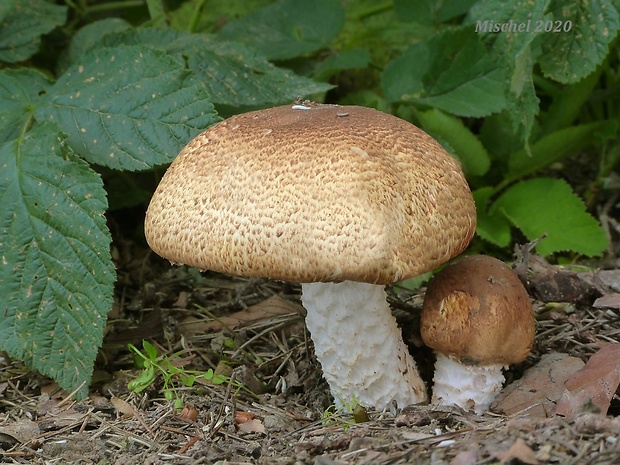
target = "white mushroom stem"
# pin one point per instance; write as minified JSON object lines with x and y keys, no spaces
{"x":470,"y":387}
{"x":360,"y":346}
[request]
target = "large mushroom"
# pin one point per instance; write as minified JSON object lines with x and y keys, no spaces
{"x":342,"y":199}
{"x":479,"y":319}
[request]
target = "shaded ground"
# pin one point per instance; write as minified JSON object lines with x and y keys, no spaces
{"x":252,"y":332}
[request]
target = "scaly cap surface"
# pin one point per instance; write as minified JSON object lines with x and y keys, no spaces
{"x":327,"y":193}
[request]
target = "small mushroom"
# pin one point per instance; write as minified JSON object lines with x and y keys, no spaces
{"x":344,"y":206}
{"x":478,"y":318}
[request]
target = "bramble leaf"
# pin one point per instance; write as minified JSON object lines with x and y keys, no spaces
{"x":21,"y":91}
{"x":88,"y":38}
{"x":549,"y":206}
{"x":231,"y":73}
{"x":287,"y":28}
{"x":56,"y":273}
{"x":569,"y":56}
{"x":129,"y":107}
{"x":22,"y":23}
{"x":236,"y":75}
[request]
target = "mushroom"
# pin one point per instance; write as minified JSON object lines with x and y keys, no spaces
{"x":478,"y":318}
{"x":342,"y":199}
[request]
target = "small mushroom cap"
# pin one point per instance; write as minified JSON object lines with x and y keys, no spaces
{"x":477,"y":310}
{"x":312,"y":193}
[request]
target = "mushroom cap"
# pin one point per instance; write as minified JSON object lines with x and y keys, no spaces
{"x":316,"y":193}
{"x":477,"y":310}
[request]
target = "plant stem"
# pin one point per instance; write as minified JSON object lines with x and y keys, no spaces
{"x":193,"y":21}
{"x":118,"y":5}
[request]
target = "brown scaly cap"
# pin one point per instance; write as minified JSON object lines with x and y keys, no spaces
{"x":477,"y":310}
{"x":328,"y":193}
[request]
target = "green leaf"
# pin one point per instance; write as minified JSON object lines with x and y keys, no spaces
{"x":498,"y":136}
{"x":430,"y":11}
{"x":554,"y":147}
{"x":451,"y":71}
{"x":206,"y":16}
{"x":129,"y":107}
{"x":150,"y":350}
{"x":486,"y":15}
{"x":374,"y":26}
{"x":88,"y":38}
{"x":572,"y":55}
{"x":157,"y":12}
{"x":187,"y":379}
{"x":467,"y":147}
{"x":21,"y":91}
{"x":143,"y":381}
{"x":56,"y":273}
{"x":492,"y":227}
{"x":522,"y":102}
{"x":231,"y":73}
{"x":288,"y":28}
{"x":517,"y":51}
{"x":414,"y":283}
{"x":549,"y":206}
{"x":349,"y":59}
{"x":567,"y":105}
{"x":22,"y":23}
{"x":238,"y":76}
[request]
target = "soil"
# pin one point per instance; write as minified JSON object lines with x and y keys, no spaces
{"x":273,"y":406}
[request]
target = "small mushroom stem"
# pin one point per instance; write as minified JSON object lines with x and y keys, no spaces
{"x":468,"y":386}
{"x":360,"y":347}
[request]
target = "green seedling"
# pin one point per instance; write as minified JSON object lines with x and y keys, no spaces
{"x":333,"y":414}
{"x":153,"y":365}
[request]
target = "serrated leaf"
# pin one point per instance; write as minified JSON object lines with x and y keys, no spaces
{"x":288,"y":28}
{"x":23,"y":22}
{"x":56,"y":273}
{"x":517,"y":51}
{"x":522,"y":102}
{"x":21,"y":91}
{"x":467,"y":147}
{"x":238,"y":76}
{"x":231,"y":73}
{"x":128,"y":107}
{"x":494,"y":228}
{"x":451,"y":71}
{"x":88,"y":38}
{"x":569,"y":56}
{"x":487,"y":15}
{"x":549,"y":206}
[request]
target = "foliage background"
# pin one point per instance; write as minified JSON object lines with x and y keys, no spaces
{"x":96,"y":98}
